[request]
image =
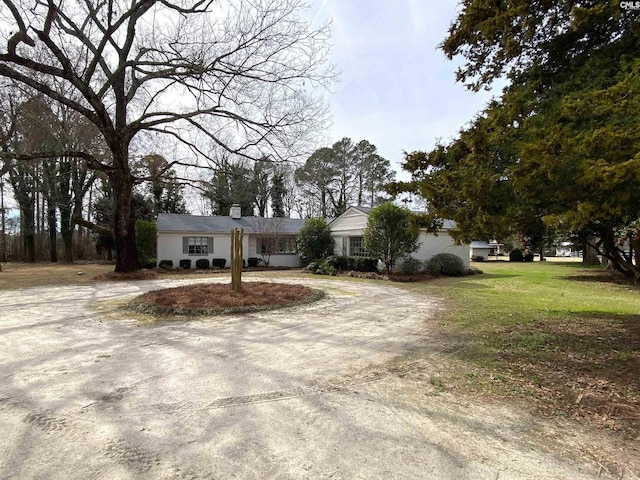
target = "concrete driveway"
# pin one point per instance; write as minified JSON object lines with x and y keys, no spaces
{"x":328,"y":390}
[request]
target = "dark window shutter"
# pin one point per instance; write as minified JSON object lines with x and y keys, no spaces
{"x":210,"y":245}
{"x":185,"y":245}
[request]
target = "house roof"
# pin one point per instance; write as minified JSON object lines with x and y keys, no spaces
{"x":176,"y":222}
{"x":480,"y":244}
{"x":446,"y":223}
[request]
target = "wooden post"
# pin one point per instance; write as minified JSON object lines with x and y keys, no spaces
{"x":236,"y":259}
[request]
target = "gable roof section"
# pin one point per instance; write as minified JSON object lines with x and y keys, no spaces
{"x":176,"y":222}
{"x":350,"y":211}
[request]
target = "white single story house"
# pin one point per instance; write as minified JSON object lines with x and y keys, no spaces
{"x":193,"y":237}
{"x":347,"y":231}
{"x":485,"y":249}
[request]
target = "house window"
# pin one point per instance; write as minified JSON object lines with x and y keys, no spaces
{"x":197,"y":245}
{"x":355,"y":247}
{"x":276,"y":245}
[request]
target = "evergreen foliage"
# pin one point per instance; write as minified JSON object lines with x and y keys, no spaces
{"x":315,"y":240}
{"x":390,"y":234}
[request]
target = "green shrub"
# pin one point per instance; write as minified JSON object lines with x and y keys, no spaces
{"x":446,"y":264}
{"x":146,"y":235}
{"x":338,"y":262}
{"x":218,"y":262}
{"x":528,"y":256}
{"x":410,"y":266}
{"x":516,"y":256}
{"x":202,"y":263}
{"x":477,"y":258}
{"x":314,"y":240}
{"x":150,"y":263}
{"x":165,"y":264}
{"x":185,"y":263}
{"x":253,"y":261}
{"x":357,"y":264}
{"x":365,"y":264}
{"x":325,"y":268}
{"x":313,"y":266}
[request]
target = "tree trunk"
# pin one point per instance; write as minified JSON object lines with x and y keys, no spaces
{"x":590,"y":254}
{"x":28,"y":234}
{"x":3,"y":238}
{"x":66,"y":231}
{"x":124,"y":223}
{"x":52,"y":224}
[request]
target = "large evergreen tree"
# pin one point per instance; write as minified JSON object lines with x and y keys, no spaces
{"x":561,"y":147}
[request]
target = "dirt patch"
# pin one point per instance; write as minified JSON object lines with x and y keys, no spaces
{"x":219,"y":298}
{"x":125,"y":277}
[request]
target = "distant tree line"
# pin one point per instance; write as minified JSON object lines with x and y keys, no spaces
{"x":331,"y":179}
{"x":66,"y":210}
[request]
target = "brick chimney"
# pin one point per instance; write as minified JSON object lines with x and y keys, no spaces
{"x":235,"y":212}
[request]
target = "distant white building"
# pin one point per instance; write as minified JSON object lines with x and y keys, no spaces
{"x":485,"y":249}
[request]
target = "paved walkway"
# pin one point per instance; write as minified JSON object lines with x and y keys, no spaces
{"x":326,"y":390}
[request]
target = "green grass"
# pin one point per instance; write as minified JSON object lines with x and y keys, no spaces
{"x":519,"y":293}
{"x":560,"y":332}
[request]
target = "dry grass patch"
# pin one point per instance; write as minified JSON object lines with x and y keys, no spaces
{"x":211,"y":299}
{"x":564,"y":337}
{"x":17,"y":275}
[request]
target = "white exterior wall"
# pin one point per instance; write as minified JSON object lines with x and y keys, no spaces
{"x":485,"y":252}
{"x":442,"y":243}
{"x":350,"y":224}
{"x":353,"y":222}
{"x":170,"y":248}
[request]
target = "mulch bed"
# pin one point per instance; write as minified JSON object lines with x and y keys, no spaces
{"x":208,"y":299}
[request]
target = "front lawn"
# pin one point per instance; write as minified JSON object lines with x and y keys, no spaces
{"x":562,"y":335}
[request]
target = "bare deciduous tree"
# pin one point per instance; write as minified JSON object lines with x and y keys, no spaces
{"x":237,"y":75}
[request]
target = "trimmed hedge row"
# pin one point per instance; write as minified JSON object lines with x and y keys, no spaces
{"x":357,"y":264}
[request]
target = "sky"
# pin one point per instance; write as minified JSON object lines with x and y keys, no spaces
{"x":396,"y":89}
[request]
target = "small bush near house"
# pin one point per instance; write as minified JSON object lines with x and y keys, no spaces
{"x":410,"y":266}
{"x":363,"y":264}
{"x":477,"y":258}
{"x":218,"y":262}
{"x":516,"y":256}
{"x":202,"y":263}
{"x":357,"y":264}
{"x":528,"y":256}
{"x":165,"y":264}
{"x":252,"y":261}
{"x":338,"y":262}
{"x":321,"y":267}
{"x":326,"y":269}
{"x":446,"y":264}
{"x":185,"y":263}
{"x":150,"y":263}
